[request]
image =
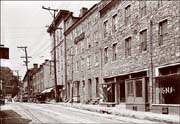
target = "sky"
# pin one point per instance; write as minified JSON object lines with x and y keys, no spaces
{"x":23,"y":23}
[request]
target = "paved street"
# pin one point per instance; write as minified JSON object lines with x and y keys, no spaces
{"x":49,"y":113}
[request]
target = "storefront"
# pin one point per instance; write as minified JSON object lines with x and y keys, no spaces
{"x":76,"y":88}
{"x":109,"y":90}
{"x":137,"y":94}
{"x":167,"y":94}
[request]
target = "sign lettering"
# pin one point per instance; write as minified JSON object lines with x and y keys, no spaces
{"x":167,"y":90}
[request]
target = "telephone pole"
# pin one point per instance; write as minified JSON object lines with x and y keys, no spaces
{"x":24,"y":48}
{"x":54,"y":49}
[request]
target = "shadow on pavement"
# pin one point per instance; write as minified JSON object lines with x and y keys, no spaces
{"x":11,"y":117}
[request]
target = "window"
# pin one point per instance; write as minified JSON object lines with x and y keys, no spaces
{"x":142,"y":5}
{"x":128,"y":47}
{"x":105,"y":28}
{"x":160,"y":3}
{"x":82,"y":46}
{"x":115,"y":22}
{"x":82,"y":64}
{"x":88,"y":43}
{"x":60,"y":34}
{"x":130,"y":88}
{"x":96,"y":59}
{"x":138,"y":84}
{"x":143,"y":40}
{"x":88,"y":62}
{"x":96,"y":37}
{"x":115,"y":51}
{"x":106,"y":55}
{"x":77,"y":65}
{"x":127,"y":15}
{"x":162,"y":31}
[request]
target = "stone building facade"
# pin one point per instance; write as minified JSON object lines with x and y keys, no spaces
{"x":82,"y":40}
{"x":125,"y":52}
{"x":138,"y":38}
{"x":60,"y":49}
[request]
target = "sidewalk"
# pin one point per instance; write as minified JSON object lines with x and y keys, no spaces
{"x":120,"y":110}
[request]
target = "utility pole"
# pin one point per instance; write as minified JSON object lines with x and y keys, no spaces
{"x":54,"y":49}
{"x":24,"y":48}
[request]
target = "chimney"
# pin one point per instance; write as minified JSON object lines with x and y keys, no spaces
{"x":41,"y":66}
{"x":83,"y":10}
{"x":35,"y":65}
{"x":46,"y":60}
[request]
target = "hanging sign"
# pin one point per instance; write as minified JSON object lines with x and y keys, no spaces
{"x":4,"y":53}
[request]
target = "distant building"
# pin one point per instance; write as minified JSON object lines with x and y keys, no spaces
{"x":8,"y":82}
{"x":43,"y":81}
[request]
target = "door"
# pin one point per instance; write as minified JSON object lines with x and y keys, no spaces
{"x":90,"y":88}
{"x":122,"y":92}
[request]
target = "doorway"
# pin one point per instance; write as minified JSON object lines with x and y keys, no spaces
{"x":122,"y":92}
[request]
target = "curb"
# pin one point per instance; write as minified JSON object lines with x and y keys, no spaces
{"x":118,"y":113}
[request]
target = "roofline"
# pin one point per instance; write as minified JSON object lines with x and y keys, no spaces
{"x":60,"y":14}
{"x":81,"y":18}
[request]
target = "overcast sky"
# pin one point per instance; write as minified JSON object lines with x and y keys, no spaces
{"x":23,"y":24}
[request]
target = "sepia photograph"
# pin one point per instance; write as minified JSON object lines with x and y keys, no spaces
{"x":90,"y":62}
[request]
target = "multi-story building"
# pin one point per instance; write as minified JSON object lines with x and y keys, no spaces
{"x":60,"y":49}
{"x":141,"y":42}
{"x":83,"y":63}
{"x":43,"y":81}
{"x":9,"y":83}
{"x":135,"y":58}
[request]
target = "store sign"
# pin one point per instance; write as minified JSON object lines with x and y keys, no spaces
{"x":167,"y":90}
{"x":79,"y":38}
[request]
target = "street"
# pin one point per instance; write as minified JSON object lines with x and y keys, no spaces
{"x":51,"y":113}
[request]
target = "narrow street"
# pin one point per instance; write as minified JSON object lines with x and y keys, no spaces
{"x":49,"y":113}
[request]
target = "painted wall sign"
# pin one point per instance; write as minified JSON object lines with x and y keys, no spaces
{"x":79,"y":38}
{"x":167,"y":90}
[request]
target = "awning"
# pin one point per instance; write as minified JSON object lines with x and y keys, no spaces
{"x":47,"y":90}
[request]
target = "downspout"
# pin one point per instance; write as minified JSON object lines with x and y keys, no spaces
{"x":151,"y":62}
{"x":65,"y":63}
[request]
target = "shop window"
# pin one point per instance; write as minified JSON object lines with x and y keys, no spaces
{"x":109,"y":92}
{"x":130,"y":88}
{"x":138,"y":84}
{"x":169,"y":70}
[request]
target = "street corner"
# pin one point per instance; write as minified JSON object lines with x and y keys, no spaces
{"x":11,"y":117}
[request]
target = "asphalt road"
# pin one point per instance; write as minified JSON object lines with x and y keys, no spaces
{"x":50,"y":113}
